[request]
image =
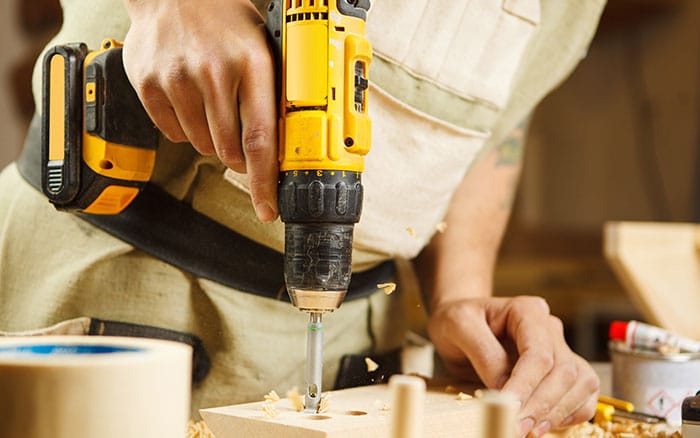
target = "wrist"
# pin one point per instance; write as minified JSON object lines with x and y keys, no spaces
{"x":448,"y":290}
{"x":448,"y":276}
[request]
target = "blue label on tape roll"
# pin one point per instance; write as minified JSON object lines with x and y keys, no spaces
{"x":65,"y":349}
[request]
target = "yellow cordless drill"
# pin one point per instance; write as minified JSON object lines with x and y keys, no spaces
{"x":324,"y":132}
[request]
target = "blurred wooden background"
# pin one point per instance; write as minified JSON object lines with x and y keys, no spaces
{"x":617,"y":141}
{"x":25,"y":27}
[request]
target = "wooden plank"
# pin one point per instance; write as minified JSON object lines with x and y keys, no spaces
{"x":353,"y":413}
{"x":659,"y":266}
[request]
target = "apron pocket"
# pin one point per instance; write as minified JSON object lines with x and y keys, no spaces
{"x":416,"y":163}
{"x":70,"y":327}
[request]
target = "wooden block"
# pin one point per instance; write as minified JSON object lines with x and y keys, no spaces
{"x":353,"y":413}
{"x":365,"y":412}
{"x":659,"y":265}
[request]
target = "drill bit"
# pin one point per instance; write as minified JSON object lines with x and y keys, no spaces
{"x":314,"y":362}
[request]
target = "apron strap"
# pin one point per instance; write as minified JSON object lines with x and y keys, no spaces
{"x":171,"y":230}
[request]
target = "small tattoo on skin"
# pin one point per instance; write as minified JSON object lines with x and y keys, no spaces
{"x":510,"y":152}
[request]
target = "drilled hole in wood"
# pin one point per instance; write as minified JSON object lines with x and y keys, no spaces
{"x":356,"y":413}
{"x":319,"y":417}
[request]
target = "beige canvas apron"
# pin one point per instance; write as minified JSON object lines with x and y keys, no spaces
{"x":442,"y":88}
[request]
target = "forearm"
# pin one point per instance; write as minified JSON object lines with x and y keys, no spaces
{"x":459,"y":263}
{"x":511,"y":344}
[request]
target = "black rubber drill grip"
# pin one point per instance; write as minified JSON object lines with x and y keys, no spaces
{"x":319,"y":208}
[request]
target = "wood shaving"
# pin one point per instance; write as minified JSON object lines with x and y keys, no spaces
{"x":411,"y":232}
{"x":371,"y":365}
{"x":269,"y":410}
{"x":441,"y":227}
{"x":388,"y":287}
{"x":382,"y":406}
{"x":198,"y":430}
{"x":272,"y":396}
{"x":323,"y":404}
{"x":296,"y":399}
{"x":626,"y":429}
{"x":463,"y":396}
{"x":669,"y":349}
{"x":479,"y":393}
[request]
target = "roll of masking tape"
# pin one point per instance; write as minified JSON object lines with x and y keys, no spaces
{"x":88,"y":387}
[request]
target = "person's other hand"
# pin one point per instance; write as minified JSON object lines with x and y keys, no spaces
{"x":204,"y":73}
{"x":516,"y":345}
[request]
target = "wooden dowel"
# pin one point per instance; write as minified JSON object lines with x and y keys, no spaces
{"x":407,"y":406}
{"x":500,"y":414}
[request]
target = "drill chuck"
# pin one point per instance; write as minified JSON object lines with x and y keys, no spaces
{"x":319,"y":209}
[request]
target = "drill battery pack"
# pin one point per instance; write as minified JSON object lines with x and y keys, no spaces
{"x":98,"y":143}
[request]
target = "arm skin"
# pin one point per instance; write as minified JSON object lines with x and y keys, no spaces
{"x":513,"y":344}
{"x":204,"y":73}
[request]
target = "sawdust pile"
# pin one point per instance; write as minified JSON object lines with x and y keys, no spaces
{"x":631,"y":429}
{"x":296,"y":399}
{"x":269,"y":410}
{"x":272,"y":396}
{"x":198,"y":430}
{"x":324,"y":403}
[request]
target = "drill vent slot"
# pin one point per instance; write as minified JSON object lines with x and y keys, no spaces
{"x":292,"y":4}
{"x":361,"y":85}
{"x":307,"y":16}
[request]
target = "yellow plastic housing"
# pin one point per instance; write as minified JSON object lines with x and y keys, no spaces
{"x":110,"y":159}
{"x":57,"y":108}
{"x":112,"y":200}
{"x":320,"y":126}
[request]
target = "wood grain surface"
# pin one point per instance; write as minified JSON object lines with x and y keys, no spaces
{"x":363,"y":412}
{"x":353,"y":413}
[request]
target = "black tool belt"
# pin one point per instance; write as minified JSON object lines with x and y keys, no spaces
{"x":172,"y":231}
